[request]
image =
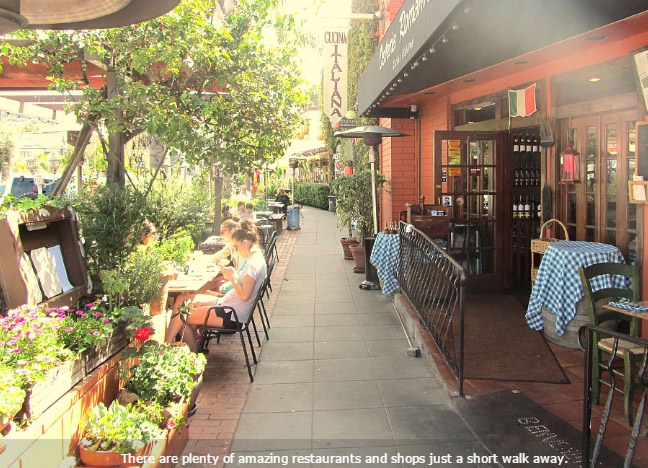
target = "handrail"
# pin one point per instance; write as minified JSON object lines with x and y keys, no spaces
{"x":434,"y":283}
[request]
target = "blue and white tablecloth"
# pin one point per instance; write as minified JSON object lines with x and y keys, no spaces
{"x":384,"y":257}
{"x":558,"y":287}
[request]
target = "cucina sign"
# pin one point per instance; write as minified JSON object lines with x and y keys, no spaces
{"x":335,"y":37}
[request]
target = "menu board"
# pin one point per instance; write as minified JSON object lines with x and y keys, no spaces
{"x":454,"y":152}
{"x":641,"y":66}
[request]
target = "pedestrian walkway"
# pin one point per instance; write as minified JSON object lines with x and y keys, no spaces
{"x":335,"y":380}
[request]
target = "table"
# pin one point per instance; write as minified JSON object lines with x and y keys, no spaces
{"x":262,"y":214}
{"x":558,"y":287}
{"x":384,"y":256}
{"x":277,"y":207}
{"x":631,"y":313}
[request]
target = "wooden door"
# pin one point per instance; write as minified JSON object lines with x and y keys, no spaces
{"x":467,"y":178}
{"x":597,"y":209}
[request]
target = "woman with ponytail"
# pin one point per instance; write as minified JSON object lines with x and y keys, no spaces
{"x":245,"y":286}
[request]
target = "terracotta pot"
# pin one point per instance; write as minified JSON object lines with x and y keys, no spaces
{"x":346,"y":242}
{"x":358,"y":253}
{"x":94,"y":458}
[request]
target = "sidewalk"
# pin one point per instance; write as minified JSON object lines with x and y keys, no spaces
{"x":334,"y":378}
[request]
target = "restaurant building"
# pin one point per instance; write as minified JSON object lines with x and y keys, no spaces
{"x":516,"y":113}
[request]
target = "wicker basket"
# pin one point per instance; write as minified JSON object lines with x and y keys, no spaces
{"x":540,"y":246}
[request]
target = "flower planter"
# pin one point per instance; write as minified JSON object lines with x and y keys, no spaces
{"x":107,"y":459}
{"x":358,"y":253}
{"x":93,"y":359}
{"x":346,"y":243}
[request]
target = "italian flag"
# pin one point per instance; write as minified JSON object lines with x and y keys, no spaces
{"x":522,"y":102}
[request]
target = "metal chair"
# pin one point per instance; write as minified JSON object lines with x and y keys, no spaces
{"x":606,"y":345}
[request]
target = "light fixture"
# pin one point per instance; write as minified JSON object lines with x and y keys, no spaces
{"x":400,"y":80}
{"x":477,"y":108}
{"x":455,"y":27}
{"x":387,"y":93}
{"x":594,"y":79}
{"x":569,"y":165}
{"x":405,"y":75}
{"x":467,"y":10}
{"x":444,"y":40}
{"x":414,"y":65}
{"x":413,"y":107}
{"x":432,"y":50}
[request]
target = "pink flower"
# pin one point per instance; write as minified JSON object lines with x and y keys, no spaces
{"x":69,"y":329}
{"x":171,"y":425}
{"x":89,"y":305}
{"x":106,"y":320}
{"x":81,"y":313}
{"x":21,"y":371}
{"x":94,"y":333}
{"x":97,"y":314}
{"x":16,"y":350}
{"x":11,"y":342}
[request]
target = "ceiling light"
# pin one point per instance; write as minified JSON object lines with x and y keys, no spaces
{"x":405,"y":75}
{"x":400,"y":80}
{"x":432,"y":50}
{"x":594,"y":79}
{"x":424,"y":58}
{"x":387,"y":93}
{"x":596,"y":38}
{"x":444,"y":40}
{"x":477,"y":108}
{"x":455,"y":27}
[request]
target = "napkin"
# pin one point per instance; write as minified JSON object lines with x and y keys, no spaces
{"x":625,"y":304}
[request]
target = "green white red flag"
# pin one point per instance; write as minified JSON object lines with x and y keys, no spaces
{"x":522,"y":102}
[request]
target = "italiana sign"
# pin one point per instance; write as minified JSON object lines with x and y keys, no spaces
{"x":336,"y":67}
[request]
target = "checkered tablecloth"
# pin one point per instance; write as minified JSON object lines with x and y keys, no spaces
{"x":384,"y":257}
{"x":557,"y":286}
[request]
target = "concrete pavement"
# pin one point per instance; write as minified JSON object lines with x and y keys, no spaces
{"x":334,"y":379}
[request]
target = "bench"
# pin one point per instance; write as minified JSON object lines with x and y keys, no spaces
{"x":277,"y":222}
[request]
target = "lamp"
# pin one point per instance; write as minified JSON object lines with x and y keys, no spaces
{"x":371,"y":136}
{"x":569,"y":165}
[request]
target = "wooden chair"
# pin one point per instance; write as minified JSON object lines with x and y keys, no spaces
{"x":625,"y":349}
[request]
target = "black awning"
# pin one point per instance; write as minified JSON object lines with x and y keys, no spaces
{"x":478,"y":34}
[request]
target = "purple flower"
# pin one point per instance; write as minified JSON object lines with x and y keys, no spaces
{"x":46,"y":359}
{"x":16,"y":350}
{"x":89,"y":305}
{"x":94,"y":333}
{"x":106,"y":320}
{"x":11,"y":342}
{"x":55,"y":326}
{"x":97,"y":314}
{"x":69,"y":329}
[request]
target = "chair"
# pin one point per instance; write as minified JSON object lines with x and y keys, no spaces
{"x":597,"y":317}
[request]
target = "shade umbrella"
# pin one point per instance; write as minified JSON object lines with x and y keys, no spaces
{"x":72,"y":14}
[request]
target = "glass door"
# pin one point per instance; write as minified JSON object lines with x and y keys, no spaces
{"x":468,"y":182}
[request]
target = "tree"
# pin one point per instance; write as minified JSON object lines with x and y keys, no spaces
{"x":6,"y":151}
{"x":211,"y":91}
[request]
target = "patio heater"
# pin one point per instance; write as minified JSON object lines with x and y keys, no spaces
{"x":372,"y":137}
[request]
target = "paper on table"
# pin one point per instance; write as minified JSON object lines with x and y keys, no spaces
{"x":30,"y":277}
{"x":59,"y":267}
{"x":44,"y":266}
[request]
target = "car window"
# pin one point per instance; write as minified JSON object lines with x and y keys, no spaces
{"x":22,"y":186}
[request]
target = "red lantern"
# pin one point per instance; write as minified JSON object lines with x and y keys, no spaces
{"x":569,"y":166}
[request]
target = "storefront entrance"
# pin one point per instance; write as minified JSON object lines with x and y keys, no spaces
{"x":468,"y":181}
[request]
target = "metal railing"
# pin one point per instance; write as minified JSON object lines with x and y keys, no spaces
{"x":609,"y":376}
{"x":434,"y":284}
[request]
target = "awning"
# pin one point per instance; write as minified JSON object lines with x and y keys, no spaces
{"x":430,"y":43}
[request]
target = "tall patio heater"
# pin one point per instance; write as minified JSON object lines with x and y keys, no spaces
{"x":372,"y":137}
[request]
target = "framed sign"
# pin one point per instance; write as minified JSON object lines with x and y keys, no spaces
{"x":641,"y":67}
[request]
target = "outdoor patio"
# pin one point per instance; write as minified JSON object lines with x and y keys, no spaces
{"x":334,"y":378}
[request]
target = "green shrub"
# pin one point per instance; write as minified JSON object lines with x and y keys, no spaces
{"x":312,"y":195}
{"x":142,"y":273}
{"x":177,"y":247}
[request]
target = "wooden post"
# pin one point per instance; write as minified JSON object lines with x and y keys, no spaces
{"x":116,"y":172}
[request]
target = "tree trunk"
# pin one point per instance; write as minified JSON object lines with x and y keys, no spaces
{"x":218,"y":195}
{"x":116,"y":171}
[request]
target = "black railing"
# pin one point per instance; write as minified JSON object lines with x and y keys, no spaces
{"x":590,"y":455}
{"x":434,"y":284}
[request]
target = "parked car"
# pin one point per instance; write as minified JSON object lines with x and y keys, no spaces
{"x":28,"y":186}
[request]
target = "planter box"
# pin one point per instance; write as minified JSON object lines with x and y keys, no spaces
{"x":94,"y":359}
{"x":57,"y":382}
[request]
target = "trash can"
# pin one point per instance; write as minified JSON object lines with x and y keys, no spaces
{"x":331,"y":200}
{"x":292,"y":218}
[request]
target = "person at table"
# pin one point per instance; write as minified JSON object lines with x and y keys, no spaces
{"x":245,"y":286}
{"x":226,"y":214}
{"x":227,"y":254}
{"x":151,"y":235}
{"x":283,"y":199}
{"x":240,"y":210}
{"x":249,"y":211}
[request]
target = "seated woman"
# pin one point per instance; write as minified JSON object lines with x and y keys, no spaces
{"x":242,"y":296}
{"x":283,"y":198}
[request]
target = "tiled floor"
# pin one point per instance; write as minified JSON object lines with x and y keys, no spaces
{"x":331,"y":377}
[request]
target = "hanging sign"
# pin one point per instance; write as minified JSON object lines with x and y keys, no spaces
{"x":335,"y":69}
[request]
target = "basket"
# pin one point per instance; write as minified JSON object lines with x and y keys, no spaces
{"x":542,"y":244}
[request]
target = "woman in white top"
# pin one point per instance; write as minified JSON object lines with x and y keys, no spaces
{"x":242,"y":296}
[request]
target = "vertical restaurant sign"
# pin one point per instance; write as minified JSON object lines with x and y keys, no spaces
{"x":335,"y":69}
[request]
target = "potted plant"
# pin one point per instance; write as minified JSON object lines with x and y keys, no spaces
{"x":115,"y":431}
{"x":354,"y":209}
{"x":12,"y":396}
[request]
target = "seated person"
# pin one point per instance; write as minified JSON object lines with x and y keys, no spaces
{"x":245,"y":286}
{"x":151,"y":235}
{"x":227,"y":255}
{"x":226,"y":214}
{"x":240,"y":210}
{"x":283,"y":198}
{"x":249,"y":211}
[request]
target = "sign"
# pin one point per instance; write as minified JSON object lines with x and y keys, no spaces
{"x":407,"y":34}
{"x":641,"y":67}
{"x":335,"y":69}
{"x":347,"y":124}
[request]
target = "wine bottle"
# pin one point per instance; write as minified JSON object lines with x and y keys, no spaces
{"x":515,"y":209}
{"x":527,"y":208}
{"x":536,"y":146}
{"x":529,"y":147}
{"x":516,"y":145}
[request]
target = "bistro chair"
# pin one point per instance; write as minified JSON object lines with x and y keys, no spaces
{"x":597,"y":316}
